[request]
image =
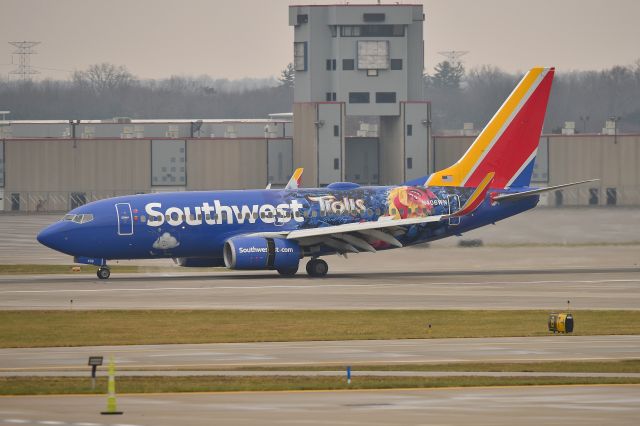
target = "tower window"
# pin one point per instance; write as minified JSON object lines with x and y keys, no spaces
{"x":396,"y":64}
{"x":385,"y":97}
{"x":348,"y":64}
{"x":409,"y":130}
{"x":358,"y":97}
{"x":300,"y":55}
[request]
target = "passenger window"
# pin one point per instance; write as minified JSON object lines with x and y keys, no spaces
{"x":143,"y":218}
{"x":314,"y":214}
{"x":207,"y":216}
{"x":255,"y":216}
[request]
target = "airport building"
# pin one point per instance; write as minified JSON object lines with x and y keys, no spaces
{"x":359,"y":115}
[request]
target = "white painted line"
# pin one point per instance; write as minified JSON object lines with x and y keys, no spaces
{"x":50,"y":422}
{"x":16,"y":421}
{"x":307,"y":287}
{"x":87,"y":424}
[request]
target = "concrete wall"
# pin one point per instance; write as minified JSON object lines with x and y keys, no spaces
{"x":391,"y":150}
{"x":226,"y":164}
{"x":54,"y":174}
{"x":305,"y":141}
{"x":612,"y":159}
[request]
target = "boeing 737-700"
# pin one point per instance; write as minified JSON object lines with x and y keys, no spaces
{"x":274,"y":229}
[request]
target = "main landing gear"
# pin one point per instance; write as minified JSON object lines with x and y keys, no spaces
{"x":103,"y":273}
{"x":317,"y":267}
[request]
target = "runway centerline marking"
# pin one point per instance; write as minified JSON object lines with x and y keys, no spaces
{"x":307,"y":287}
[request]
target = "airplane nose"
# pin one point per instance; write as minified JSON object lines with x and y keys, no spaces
{"x":51,"y":237}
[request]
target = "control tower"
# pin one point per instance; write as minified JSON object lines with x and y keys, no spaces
{"x":359,"y":63}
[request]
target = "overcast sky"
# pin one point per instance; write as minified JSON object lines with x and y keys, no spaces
{"x":251,"y":38}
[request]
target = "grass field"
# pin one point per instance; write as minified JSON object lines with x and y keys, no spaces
{"x":93,"y":328}
{"x":78,"y":385}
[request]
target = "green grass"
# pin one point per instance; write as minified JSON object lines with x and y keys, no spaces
{"x":126,"y":327}
{"x":78,"y":385}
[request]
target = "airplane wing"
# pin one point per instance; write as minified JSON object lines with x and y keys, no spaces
{"x":357,"y":237}
{"x":294,"y":182}
{"x":524,"y":194}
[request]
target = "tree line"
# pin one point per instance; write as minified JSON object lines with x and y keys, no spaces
{"x":587,"y":98}
{"x":458,"y":96}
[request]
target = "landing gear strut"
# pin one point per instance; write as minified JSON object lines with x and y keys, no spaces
{"x":103,"y":273}
{"x":317,"y":267}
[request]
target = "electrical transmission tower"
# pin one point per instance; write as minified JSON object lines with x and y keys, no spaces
{"x":453,"y":56}
{"x":24,"y":50}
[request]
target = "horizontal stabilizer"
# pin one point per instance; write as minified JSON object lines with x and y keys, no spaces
{"x":524,"y":194}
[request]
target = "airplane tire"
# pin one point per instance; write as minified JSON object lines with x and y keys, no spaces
{"x":288,"y":272}
{"x":317,"y":268}
{"x":103,"y":273}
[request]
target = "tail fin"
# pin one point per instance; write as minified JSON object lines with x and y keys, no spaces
{"x":508,"y":144}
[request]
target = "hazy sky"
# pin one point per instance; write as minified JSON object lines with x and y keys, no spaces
{"x":251,"y":38}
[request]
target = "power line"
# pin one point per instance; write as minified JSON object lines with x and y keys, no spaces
{"x":24,"y":50}
{"x":453,"y":56}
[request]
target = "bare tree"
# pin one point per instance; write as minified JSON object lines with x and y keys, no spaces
{"x":104,"y":77}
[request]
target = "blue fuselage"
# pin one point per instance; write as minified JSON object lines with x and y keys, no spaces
{"x":197,"y":224}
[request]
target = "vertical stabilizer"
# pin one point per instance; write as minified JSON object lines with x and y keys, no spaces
{"x":508,"y":144}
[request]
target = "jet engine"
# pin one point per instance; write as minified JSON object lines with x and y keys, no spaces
{"x":255,"y":253}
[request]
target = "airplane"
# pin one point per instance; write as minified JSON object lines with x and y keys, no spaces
{"x":274,"y":229}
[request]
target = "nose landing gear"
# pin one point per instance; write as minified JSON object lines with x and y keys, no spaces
{"x":317,"y":268}
{"x":103,"y":273}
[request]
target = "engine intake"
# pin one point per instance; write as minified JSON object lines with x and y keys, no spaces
{"x":261,"y":253}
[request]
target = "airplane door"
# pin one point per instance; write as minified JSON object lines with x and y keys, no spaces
{"x":125,"y":219}
{"x":454,"y":205}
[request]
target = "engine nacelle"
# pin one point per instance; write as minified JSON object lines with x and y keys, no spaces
{"x":261,"y":253}
{"x":199,"y":262}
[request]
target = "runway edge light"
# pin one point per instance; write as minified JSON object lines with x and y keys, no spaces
{"x":111,"y":390}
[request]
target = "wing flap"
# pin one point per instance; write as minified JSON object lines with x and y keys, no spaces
{"x":362,"y":226}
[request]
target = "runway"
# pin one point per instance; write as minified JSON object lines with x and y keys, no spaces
{"x":533,"y":405}
{"x":341,"y":353}
{"x":415,"y":287}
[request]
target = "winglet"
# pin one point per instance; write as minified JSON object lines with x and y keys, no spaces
{"x":477,"y":197}
{"x":294,"y":182}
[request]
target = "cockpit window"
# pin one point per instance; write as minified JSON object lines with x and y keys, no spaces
{"x":78,"y":218}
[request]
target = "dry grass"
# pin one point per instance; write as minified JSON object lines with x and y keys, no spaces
{"x":89,"y":328}
{"x":77,"y":385}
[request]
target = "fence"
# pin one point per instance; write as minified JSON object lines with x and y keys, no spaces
{"x":42,"y":202}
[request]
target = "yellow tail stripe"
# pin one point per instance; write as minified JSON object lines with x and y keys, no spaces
{"x":457,"y":173}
